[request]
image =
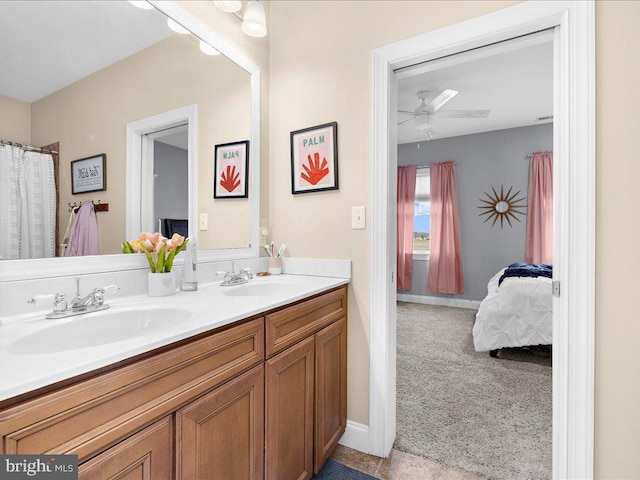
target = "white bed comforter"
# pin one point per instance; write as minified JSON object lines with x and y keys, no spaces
{"x":515,"y":314}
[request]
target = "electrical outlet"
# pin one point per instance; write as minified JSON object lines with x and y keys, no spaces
{"x":264,"y":235}
{"x":204,"y":221}
{"x":358,"y":218}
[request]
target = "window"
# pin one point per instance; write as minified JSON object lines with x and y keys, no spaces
{"x":422,"y":212}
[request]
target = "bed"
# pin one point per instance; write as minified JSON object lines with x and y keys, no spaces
{"x":517,"y":309}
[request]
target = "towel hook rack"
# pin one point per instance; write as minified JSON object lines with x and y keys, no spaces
{"x":97,"y":206}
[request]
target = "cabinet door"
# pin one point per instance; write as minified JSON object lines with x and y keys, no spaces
{"x":220,"y":436}
{"x":147,"y":455}
{"x":289,"y":413}
{"x":331,"y":389}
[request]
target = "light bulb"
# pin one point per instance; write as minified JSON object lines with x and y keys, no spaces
{"x":254,"y":22}
{"x":176,"y":27}
{"x":422,"y":122}
{"x":208,"y":49}
{"x":141,"y":4}
{"x":229,"y":5}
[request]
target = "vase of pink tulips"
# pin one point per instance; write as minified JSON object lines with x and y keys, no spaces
{"x":160,"y":252}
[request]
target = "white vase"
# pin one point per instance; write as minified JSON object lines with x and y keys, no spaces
{"x":161,"y":284}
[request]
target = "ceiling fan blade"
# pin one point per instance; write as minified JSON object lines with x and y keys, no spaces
{"x":405,"y":121}
{"x":463,"y":113}
{"x":410,"y":112}
{"x":441,"y":99}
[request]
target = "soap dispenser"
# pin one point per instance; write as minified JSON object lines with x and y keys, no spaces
{"x":189,"y":275}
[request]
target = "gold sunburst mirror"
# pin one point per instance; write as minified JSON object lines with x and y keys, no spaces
{"x":503,"y":206}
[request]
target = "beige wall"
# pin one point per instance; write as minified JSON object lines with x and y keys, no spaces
{"x":617,"y":419}
{"x":15,"y":120}
{"x":321,"y":72}
{"x":90,"y":117}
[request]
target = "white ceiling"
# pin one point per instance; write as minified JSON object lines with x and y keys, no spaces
{"x":47,"y":45}
{"x":178,"y":140}
{"x":514,"y":80}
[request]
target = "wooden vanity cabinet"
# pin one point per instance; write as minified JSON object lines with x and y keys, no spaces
{"x":264,"y":397}
{"x":220,"y":436}
{"x":330,"y":389}
{"x":289,"y":407}
{"x":306,"y":385}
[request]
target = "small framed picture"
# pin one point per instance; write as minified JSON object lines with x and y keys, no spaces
{"x":89,"y":174}
{"x":232,"y":170}
{"x":314,"y":159}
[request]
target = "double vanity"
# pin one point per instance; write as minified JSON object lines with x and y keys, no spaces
{"x":242,"y":382}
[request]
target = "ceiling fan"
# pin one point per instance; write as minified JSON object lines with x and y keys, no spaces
{"x":430,"y":107}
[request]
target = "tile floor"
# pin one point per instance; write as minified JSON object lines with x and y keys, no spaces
{"x":399,"y":466}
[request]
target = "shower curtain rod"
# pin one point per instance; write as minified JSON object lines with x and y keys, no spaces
{"x":26,"y":147}
{"x":530,"y":155}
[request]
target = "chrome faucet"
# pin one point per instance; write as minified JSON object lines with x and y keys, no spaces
{"x":231,"y":278}
{"x":92,"y":302}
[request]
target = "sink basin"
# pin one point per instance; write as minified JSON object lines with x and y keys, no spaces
{"x":258,"y":289}
{"x":99,"y":328}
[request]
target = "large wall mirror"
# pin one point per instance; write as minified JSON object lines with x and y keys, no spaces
{"x":77,"y":75}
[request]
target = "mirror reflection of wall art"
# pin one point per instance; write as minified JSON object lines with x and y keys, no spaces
{"x":314,"y":159}
{"x":232,"y":170}
{"x":503,"y":206}
{"x":89,"y":174}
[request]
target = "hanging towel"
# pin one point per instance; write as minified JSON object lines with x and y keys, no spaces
{"x":83,"y":239}
{"x":67,"y":232}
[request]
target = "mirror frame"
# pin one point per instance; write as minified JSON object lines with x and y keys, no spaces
{"x":31,"y":269}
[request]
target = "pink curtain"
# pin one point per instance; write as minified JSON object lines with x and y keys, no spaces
{"x":404,"y":234}
{"x":539,"y":243}
{"x":445,"y":258}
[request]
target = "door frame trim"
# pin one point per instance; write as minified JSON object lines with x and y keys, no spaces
{"x":574,"y":216}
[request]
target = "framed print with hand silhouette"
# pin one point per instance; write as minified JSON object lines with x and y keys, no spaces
{"x":314,"y":159}
{"x":232,"y":170}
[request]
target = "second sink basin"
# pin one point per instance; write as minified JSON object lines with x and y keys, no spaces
{"x":99,"y":328}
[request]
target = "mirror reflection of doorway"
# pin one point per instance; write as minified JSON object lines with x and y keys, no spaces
{"x":171,"y":181}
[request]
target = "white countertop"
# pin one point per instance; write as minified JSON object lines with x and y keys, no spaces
{"x":210,"y":307}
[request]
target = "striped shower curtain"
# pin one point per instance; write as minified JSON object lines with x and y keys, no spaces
{"x":27,"y":204}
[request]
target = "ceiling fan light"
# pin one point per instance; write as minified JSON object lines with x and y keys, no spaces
{"x":254,"y":22}
{"x":422,"y":122}
{"x":230,"y":6}
{"x":176,"y":27}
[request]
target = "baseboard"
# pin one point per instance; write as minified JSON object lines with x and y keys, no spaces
{"x":356,"y":436}
{"x":442,"y":301}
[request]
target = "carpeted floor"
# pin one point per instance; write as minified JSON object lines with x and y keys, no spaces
{"x":490,"y":416}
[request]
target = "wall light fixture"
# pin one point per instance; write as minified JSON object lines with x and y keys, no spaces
{"x":254,"y":22}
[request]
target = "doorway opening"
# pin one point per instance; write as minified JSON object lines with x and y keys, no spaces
{"x":161,"y":173}
{"x":166,"y":158}
{"x":479,"y":109}
{"x":574,"y":216}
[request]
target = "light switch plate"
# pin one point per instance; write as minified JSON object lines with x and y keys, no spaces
{"x":358,"y":215}
{"x":204,"y":221}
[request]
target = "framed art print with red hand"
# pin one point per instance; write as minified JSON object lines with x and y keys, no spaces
{"x":232,"y":170}
{"x":314,"y":159}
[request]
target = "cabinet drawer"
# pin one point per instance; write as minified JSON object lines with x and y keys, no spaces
{"x":292,"y":324}
{"x":91,"y":415}
{"x":146,"y":455}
